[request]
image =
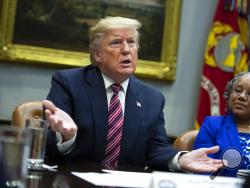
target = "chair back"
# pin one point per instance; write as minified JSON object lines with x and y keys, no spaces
{"x":186,"y":140}
{"x":31,"y":109}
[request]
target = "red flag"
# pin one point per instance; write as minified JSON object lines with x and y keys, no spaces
{"x":225,"y":55}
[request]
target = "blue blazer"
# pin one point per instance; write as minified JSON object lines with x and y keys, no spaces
{"x":221,"y":131}
{"x":81,"y":93}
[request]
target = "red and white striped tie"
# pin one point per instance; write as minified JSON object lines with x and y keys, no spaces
{"x":115,"y":122}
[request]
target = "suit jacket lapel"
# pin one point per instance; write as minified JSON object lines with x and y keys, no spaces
{"x":133,"y":110}
{"x":97,"y":94}
{"x":232,"y":132}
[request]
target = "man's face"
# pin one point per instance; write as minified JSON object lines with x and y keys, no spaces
{"x":117,"y":55}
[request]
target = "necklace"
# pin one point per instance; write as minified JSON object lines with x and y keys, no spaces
{"x":243,"y":128}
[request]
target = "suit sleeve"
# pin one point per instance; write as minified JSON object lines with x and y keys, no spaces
{"x":206,"y":135}
{"x":160,"y":151}
{"x":59,"y":94}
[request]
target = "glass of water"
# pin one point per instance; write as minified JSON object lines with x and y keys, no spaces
{"x":14,"y":152}
{"x":39,"y":128}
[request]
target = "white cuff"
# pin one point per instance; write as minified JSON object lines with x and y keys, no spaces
{"x":64,"y":147}
{"x":173,"y":164}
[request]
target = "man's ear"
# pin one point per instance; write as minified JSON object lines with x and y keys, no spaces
{"x":97,"y":55}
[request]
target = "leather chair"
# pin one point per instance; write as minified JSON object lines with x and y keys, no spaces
{"x":31,"y":109}
{"x":186,"y":140}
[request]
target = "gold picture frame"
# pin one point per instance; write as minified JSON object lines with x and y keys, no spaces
{"x":164,"y":69}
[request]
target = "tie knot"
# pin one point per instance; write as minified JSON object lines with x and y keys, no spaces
{"x":116,"y":87}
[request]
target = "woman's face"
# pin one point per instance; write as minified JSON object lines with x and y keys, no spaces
{"x":239,"y":99}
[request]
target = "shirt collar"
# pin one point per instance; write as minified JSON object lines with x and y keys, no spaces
{"x":108,"y":82}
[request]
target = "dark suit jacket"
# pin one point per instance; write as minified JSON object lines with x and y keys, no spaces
{"x":221,"y":131}
{"x":81,"y":93}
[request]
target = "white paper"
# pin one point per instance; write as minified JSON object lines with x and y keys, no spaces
{"x":168,"y":179}
{"x":158,"y":179}
{"x":116,"y":178}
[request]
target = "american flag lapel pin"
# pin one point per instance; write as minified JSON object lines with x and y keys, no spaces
{"x":138,"y":104}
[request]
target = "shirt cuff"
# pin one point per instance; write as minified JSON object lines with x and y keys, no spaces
{"x":64,"y":147}
{"x":173,"y":164}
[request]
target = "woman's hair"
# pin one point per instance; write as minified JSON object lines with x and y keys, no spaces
{"x":230,"y":85}
{"x":96,"y":32}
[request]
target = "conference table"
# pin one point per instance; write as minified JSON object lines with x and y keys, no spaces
{"x":62,"y":178}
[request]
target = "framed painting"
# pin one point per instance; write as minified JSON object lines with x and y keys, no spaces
{"x":55,"y":32}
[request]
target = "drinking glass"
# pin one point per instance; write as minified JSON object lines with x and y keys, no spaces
{"x":14,"y":152}
{"x":39,"y":128}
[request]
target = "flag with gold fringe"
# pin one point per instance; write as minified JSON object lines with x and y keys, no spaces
{"x":226,"y":54}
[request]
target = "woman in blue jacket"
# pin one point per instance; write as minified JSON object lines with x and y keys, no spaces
{"x":233,"y":129}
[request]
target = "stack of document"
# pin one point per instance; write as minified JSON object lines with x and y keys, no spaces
{"x":180,"y":180}
{"x":115,"y":178}
{"x":158,"y":180}
{"x":243,"y":173}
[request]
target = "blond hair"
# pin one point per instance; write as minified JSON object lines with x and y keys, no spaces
{"x":96,"y":32}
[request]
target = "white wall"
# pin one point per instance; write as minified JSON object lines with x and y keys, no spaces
{"x":182,"y":96}
{"x":23,"y":82}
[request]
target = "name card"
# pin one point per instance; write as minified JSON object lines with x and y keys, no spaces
{"x":181,"y":180}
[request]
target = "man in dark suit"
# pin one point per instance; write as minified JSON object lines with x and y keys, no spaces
{"x":79,"y":103}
